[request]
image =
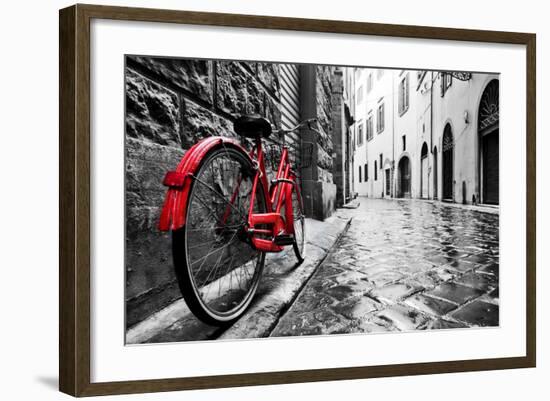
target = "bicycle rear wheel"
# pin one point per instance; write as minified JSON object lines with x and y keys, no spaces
{"x":218,"y":269}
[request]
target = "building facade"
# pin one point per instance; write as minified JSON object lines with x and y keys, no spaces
{"x":466,"y":138}
{"x":346,"y":154}
{"x":428,"y":135}
{"x":375,"y":136}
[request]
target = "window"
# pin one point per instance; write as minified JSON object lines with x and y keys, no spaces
{"x":360,"y":134}
{"x":369,"y":127}
{"x":380,"y":119}
{"x":375,"y":171}
{"x":403,"y":96}
{"x":366,"y":172}
{"x":380,"y":164}
{"x":446,"y":82}
{"x":404,"y":139}
{"x":360,"y":95}
{"x":369,"y":83}
{"x":359,"y":173}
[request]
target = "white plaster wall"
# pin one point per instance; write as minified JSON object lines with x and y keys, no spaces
{"x":460,"y":98}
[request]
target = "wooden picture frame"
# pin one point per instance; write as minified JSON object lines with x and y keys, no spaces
{"x":74,"y":204}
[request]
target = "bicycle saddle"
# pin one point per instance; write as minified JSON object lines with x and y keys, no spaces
{"x":252,"y":126}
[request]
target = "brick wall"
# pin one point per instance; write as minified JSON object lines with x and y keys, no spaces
{"x":170,"y":105}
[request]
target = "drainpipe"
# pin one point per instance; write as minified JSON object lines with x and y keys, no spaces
{"x":431,"y":111}
{"x":393,"y":133}
{"x":434,"y":195}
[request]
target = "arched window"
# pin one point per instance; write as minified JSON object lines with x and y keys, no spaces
{"x":424,"y":151}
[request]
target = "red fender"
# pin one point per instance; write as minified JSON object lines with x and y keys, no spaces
{"x":178,"y":182}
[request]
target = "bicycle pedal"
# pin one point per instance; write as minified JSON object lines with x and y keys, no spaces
{"x":283,"y":239}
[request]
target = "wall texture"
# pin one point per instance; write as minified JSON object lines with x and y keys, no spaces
{"x":170,"y":105}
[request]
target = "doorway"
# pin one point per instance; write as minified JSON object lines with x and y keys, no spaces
{"x":388,"y":182}
{"x":436,"y":194}
{"x":404,"y":177}
{"x":448,"y":161}
{"x":424,"y":184}
{"x":488,"y":128}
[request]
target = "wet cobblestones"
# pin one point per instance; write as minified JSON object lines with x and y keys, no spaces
{"x":403,"y":265}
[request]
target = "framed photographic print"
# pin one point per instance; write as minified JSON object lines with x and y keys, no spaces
{"x":250,"y":200}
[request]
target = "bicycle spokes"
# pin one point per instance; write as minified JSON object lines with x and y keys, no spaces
{"x":221,"y":262}
{"x":224,"y":219}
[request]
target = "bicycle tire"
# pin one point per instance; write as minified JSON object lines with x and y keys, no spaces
{"x":182,"y":239}
{"x":299,"y":224}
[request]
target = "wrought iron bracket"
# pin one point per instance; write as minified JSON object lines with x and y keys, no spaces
{"x":461,"y":76}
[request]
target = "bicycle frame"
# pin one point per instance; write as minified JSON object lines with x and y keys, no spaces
{"x":279,"y":194}
{"x":174,"y":210}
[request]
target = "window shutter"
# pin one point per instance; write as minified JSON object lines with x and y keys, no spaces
{"x":407,"y":91}
{"x":400,"y":97}
{"x":290,"y":106}
{"x":290,"y":95}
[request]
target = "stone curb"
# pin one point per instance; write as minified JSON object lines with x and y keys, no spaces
{"x":262,"y":317}
{"x":282,"y":283}
{"x":475,"y":208}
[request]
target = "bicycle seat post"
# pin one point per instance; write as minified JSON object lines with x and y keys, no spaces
{"x":282,"y":137}
{"x":258,"y":142}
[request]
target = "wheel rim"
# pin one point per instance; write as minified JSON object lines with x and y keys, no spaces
{"x":222,"y":265}
{"x":299,"y":224}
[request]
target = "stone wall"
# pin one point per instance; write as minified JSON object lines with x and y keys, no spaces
{"x":338,"y":137}
{"x":319,"y":190}
{"x":324,"y":115}
{"x":170,"y":105}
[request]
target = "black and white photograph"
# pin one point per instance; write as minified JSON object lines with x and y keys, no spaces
{"x":283,"y":200}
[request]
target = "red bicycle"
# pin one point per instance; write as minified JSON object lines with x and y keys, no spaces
{"x":224,"y":217}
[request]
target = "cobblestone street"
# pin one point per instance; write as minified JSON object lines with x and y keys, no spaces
{"x":403,"y":265}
